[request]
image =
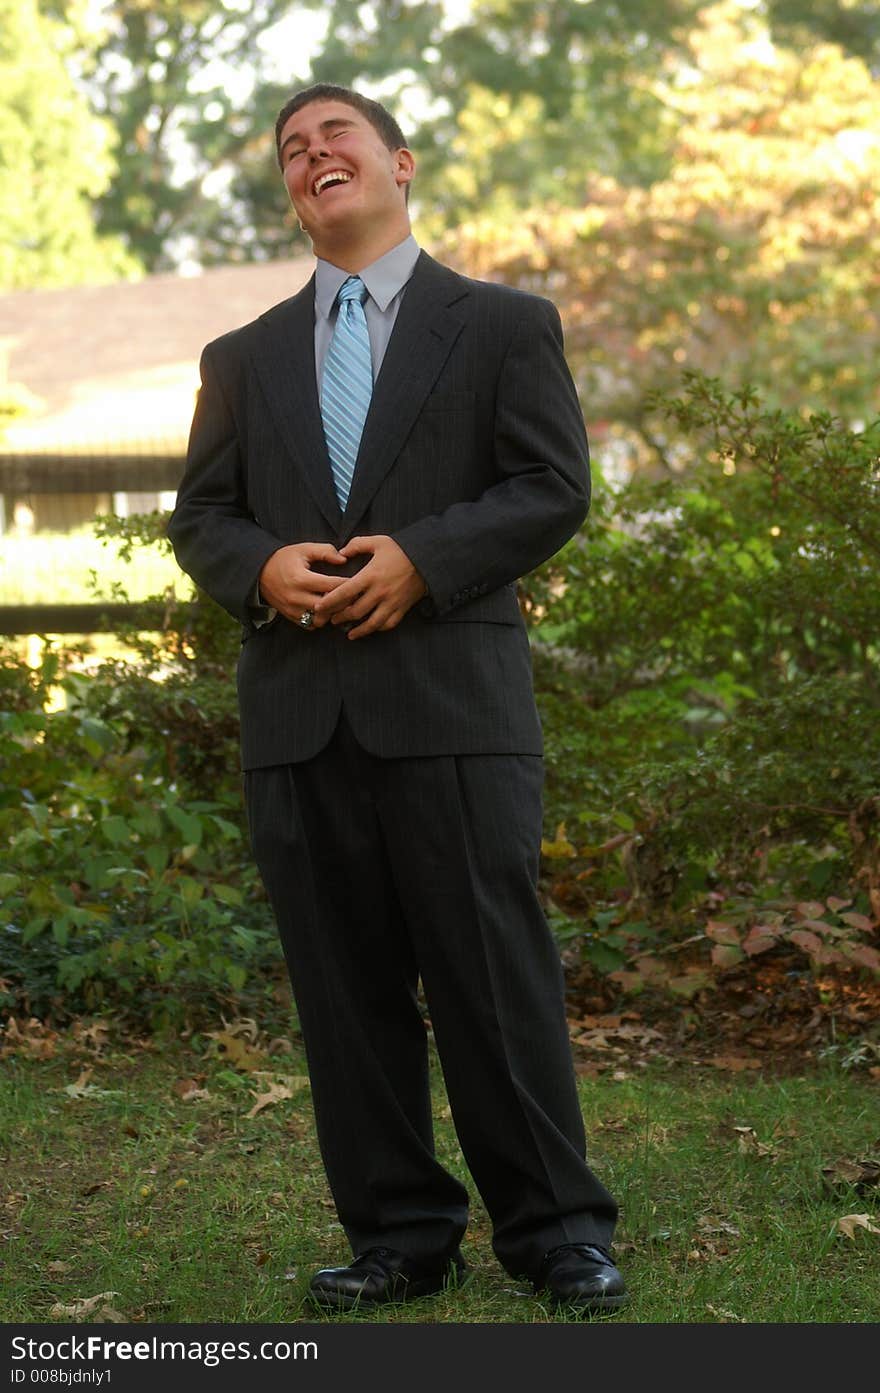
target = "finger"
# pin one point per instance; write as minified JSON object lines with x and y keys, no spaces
{"x":379,"y":619}
{"x":363,"y":606}
{"x":319,"y":584}
{"x":323,"y":551}
{"x":344,"y":595}
{"x":358,"y":545}
{"x":317,"y":621}
{"x":294,"y":613}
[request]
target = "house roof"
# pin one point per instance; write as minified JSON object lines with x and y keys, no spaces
{"x":116,"y":366}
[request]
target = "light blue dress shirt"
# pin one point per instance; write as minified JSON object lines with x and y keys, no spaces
{"x":386,"y":281}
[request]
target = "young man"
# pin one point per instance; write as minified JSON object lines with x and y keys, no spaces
{"x":372,"y":465}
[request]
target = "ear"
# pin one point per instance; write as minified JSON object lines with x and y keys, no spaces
{"x":405,"y":166}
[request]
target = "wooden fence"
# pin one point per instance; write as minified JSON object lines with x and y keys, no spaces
{"x":92,"y":472}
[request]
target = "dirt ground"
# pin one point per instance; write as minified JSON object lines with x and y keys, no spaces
{"x":774,"y":1015}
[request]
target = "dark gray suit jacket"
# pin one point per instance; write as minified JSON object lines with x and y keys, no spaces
{"x":473,"y":457}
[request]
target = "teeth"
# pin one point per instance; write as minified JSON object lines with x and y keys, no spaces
{"x":334,"y":177}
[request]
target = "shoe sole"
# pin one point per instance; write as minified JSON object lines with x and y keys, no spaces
{"x":594,"y":1306}
{"x":412,"y":1291}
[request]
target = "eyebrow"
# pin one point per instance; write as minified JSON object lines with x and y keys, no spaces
{"x":327,"y":125}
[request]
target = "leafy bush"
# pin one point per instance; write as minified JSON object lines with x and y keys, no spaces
{"x":120,"y":891}
{"x":707,"y":669}
{"x":706,"y":662}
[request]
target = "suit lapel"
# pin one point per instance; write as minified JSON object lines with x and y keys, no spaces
{"x":285,"y":362}
{"x":426,"y":327}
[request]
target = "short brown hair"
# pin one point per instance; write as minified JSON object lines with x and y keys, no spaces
{"x":381,"y":120}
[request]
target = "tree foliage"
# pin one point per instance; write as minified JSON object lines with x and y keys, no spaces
{"x":55,"y":160}
{"x":511,"y":104}
{"x":180,"y":81}
{"x":755,"y":256}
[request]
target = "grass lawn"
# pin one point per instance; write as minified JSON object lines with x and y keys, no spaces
{"x":157,"y":1177}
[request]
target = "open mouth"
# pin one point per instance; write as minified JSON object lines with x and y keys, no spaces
{"x":328,"y":180}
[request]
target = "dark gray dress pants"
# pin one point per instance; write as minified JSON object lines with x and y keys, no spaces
{"x":383,"y":870}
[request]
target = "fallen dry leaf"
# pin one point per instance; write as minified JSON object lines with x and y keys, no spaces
{"x":592,"y":1071}
{"x":735,"y":1063}
{"x":189,"y":1090}
{"x":689,"y":982}
{"x":29,"y":1037}
{"x":244,"y":1025}
{"x":748,"y":1145}
{"x":237,"y":1052}
{"x":656,"y":1134}
{"x":276,"y":1092}
{"x":850,"y":1222}
{"x":83,"y":1089}
{"x":80,"y":1089}
{"x":862,"y":1175}
{"x":723,"y":1314}
{"x":596,"y":1039}
{"x":85,"y":1306}
{"x":109,"y":1313}
{"x":94,"y":1036}
{"x":709,"y":1224}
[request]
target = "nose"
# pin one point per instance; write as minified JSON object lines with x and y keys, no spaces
{"x":318,"y":151}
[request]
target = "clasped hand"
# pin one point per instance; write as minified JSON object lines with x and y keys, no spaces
{"x":374,"y":600}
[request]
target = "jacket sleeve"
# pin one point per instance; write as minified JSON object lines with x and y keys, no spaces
{"x":543,"y":491}
{"x":215,"y":537}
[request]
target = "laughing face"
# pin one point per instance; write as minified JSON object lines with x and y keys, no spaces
{"x":343,"y":181}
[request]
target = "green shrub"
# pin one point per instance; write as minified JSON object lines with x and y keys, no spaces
{"x":119,"y":891}
{"x":707,"y":668}
{"x":706,"y":665}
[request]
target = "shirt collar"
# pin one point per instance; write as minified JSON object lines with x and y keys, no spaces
{"x":384,"y":278}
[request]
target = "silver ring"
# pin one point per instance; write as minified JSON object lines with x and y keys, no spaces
{"x":306,"y":619}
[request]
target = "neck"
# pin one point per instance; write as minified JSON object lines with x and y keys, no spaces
{"x":353,"y":252}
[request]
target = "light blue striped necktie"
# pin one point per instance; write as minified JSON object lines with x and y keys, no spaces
{"x":347,"y":385}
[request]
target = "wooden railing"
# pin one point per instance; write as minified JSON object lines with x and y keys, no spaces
{"x":94,"y":471}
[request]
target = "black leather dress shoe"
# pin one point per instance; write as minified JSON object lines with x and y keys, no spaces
{"x":581,"y":1275}
{"x":383,"y":1274}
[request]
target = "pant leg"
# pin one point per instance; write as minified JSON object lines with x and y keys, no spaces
{"x":317,"y":843}
{"x":463,"y":834}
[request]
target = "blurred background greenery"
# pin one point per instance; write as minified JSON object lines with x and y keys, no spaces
{"x":697,"y":187}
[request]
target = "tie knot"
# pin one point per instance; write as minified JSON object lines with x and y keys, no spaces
{"x":352,"y":289}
